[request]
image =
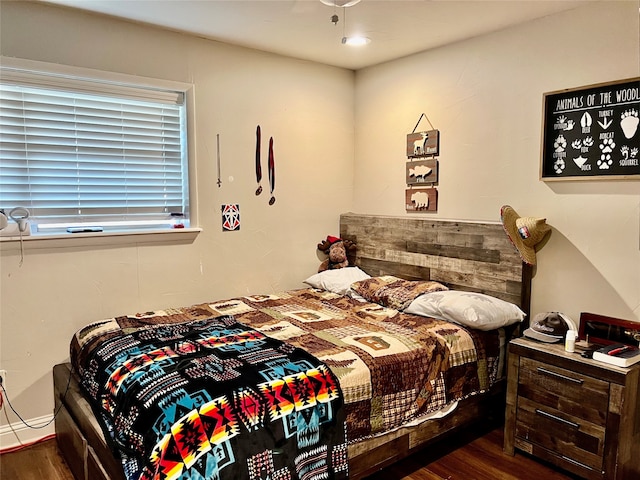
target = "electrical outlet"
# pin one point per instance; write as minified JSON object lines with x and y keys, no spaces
{"x":3,"y":378}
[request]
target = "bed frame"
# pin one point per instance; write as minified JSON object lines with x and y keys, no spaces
{"x":473,"y":256}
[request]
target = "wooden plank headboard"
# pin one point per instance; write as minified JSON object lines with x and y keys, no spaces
{"x":472,"y":256}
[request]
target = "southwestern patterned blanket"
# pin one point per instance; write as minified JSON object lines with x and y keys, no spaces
{"x":268,"y":356}
{"x":214,"y":399}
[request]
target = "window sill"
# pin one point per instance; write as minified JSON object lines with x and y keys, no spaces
{"x":167,"y":236}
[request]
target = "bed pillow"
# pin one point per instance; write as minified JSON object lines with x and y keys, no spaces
{"x":394,"y":292}
{"x":474,"y":310}
{"x":338,"y":280}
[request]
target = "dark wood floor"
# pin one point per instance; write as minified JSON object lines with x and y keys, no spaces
{"x":41,"y":461}
{"x":472,"y":455}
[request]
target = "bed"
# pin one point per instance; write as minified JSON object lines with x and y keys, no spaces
{"x":363,"y":426}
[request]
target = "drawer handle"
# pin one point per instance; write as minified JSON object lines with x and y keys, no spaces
{"x":575,"y":462}
{"x":559,"y":375}
{"x":557,"y":419}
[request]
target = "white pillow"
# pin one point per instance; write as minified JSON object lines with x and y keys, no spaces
{"x":474,"y":310}
{"x":338,"y":280}
{"x":426,"y":305}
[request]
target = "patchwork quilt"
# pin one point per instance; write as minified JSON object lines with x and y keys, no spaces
{"x":265,"y":386}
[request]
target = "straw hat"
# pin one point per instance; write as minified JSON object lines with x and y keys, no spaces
{"x":524,"y":232}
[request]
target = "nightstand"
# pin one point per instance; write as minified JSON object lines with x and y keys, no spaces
{"x":574,"y":412}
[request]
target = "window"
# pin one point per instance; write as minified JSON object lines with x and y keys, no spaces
{"x":80,"y":151}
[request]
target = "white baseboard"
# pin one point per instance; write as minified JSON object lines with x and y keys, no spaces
{"x":18,"y":433}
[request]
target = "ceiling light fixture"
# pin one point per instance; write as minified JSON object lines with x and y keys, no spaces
{"x":340,"y":3}
{"x":353,"y":40}
{"x":356,"y":41}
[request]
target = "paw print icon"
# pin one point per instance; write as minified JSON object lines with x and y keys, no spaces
{"x":605,"y":161}
{"x":607,"y":145}
{"x":560,"y":144}
{"x":629,"y":122}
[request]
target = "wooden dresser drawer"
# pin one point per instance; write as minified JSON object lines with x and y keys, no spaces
{"x":566,"y":435}
{"x":564,"y":391}
{"x":562,"y":411}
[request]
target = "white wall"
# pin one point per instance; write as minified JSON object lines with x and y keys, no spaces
{"x":307,"y":108}
{"x":485,"y":97}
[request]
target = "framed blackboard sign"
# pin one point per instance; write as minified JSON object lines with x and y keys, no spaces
{"x":592,"y":132}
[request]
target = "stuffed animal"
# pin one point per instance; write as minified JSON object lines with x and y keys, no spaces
{"x":338,"y":250}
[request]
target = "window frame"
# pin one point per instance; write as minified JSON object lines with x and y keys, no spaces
{"x":72,"y":78}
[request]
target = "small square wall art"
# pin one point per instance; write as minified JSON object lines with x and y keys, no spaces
{"x":421,"y":200}
{"x":230,"y":217}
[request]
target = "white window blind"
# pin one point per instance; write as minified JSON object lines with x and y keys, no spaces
{"x":77,"y":152}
